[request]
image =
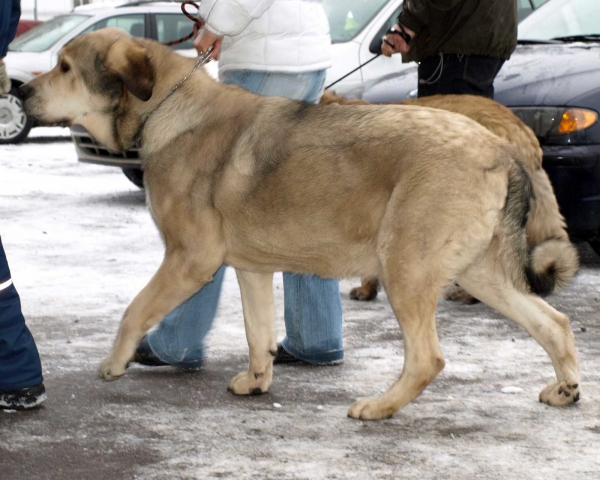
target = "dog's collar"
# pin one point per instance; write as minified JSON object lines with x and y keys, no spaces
{"x":202,"y":59}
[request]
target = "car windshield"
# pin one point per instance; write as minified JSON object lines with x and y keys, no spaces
{"x":567,"y":20}
{"x":348,"y":18}
{"x":45,"y":35}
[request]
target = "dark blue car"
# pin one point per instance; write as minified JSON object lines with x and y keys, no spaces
{"x":552,"y":82}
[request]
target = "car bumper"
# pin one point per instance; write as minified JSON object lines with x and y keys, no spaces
{"x":574,"y":171}
{"x":89,"y":151}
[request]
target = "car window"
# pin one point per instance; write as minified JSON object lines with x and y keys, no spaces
{"x":133,"y":24}
{"x":525,"y":7}
{"x":562,"y":18}
{"x":348,"y":18}
{"x":170,"y":26}
{"x":45,"y":35}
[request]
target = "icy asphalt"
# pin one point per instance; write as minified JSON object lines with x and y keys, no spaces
{"x":81,"y":244}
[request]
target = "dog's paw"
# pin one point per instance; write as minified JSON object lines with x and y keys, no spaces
{"x":456,"y":293}
{"x":560,"y":394}
{"x":363,"y":294}
{"x":111,"y":370}
{"x":370,"y":409}
{"x":251,"y":383}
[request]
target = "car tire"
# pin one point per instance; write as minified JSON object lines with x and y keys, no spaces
{"x":595,"y":242}
{"x":135,"y":176}
{"x":14,"y":123}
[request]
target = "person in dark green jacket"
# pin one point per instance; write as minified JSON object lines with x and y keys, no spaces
{"x":460,"y":44}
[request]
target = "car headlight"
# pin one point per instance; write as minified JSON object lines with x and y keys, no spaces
{"x":556,"y":121}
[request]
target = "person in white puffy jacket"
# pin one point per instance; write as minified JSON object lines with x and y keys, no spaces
{"x":273,"y":48}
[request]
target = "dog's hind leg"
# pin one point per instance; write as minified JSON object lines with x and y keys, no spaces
{"x":413,"y":293}
{"x":550,"y":328}
{"x":259,"y":316}
{"x":177,"y":279}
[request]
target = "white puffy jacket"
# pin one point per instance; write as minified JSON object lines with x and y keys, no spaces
{"x":270,"y":35}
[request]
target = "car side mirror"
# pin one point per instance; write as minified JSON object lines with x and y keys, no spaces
{"x":375,"y":46}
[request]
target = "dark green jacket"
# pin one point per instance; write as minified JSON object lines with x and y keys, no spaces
{"x":470,"y":27}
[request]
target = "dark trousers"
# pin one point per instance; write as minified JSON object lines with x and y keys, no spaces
{"x":458,"y":74}
{"x":10,"y":11}
{"x":19,"y":359}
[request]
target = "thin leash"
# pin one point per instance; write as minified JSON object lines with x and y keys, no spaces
{"x":392,"y":31}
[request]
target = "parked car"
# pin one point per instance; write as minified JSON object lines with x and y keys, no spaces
{"x":354,"y":24}
{"x":552,"y":82}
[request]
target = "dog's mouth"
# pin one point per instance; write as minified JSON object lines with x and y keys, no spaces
{"x":54,"y":123}
{"x":38,"y":116}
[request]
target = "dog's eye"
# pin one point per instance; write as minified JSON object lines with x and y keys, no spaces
{"x":64,"y":67}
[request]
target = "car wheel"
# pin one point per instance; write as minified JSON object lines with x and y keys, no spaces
{"x":135,"y":176}
{"x":595,"y":242}
{"x":14,"y":123}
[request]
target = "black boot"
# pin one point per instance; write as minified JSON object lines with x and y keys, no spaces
{"x":23,"y":399}
{"x":283,"y":356}
{"x":145,"y":356}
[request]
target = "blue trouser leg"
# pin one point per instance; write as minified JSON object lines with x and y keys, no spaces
{"x":313,"y":318}
{"x":313,"y":308}
{"x":179,"y":339}
{"x":20,"y":365}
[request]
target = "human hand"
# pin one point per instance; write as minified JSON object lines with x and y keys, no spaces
{"x":207,"y":39}
{"x":4,"y":80}
{"x":398,"y":44}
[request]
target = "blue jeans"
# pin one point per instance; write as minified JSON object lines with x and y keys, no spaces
{"x":19,"y":359}
{"x":313,"y":308}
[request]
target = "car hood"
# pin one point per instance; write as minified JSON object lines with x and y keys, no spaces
{"x":554,"y":74}
{"x":548,"y":74}
{"x":28,"y":61}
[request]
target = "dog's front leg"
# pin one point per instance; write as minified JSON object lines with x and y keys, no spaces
{"x":177,"y":279}
{"x":259,"y":316}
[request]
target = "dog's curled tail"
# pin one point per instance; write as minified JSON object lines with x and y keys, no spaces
{"x":551,"y":264}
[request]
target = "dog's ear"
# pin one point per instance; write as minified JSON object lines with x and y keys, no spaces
{"x":131,"y":61}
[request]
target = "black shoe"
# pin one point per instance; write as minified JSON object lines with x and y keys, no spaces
{"x":145,"y":356}
{"x":23,"y":399}
{"x":284,"y":357}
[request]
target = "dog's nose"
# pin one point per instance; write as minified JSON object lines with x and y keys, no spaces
{"x":25,"y":91}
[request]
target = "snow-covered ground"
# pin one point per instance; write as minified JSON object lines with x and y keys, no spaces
{"x":81,"y":244}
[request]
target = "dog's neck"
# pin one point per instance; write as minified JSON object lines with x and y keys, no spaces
{"x":136,"y":117}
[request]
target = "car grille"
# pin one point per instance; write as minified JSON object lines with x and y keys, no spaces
{"x":89,"y":146}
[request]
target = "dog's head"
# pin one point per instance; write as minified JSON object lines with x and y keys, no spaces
{"x":97,"y":76}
